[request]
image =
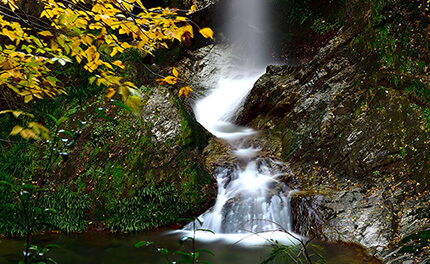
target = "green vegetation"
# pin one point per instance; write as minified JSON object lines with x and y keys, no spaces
{"x":102,"y":168}
{"x":149,"y":208}
{"x":71,"y":208}
{"x":302,"y":27}
{"x":395,"y":42}
{"x":103,"y":189}
{"x":103,"y":157}
{"x":321,"y":16}
{"x":393,"y":49}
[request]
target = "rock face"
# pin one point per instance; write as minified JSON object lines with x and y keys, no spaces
{"x":163,"y":116}
{"x":204,"y":67}
{"x":359,"y":145}
{"x":153,"y":173}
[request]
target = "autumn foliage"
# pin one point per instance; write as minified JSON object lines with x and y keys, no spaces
{"x":86,"y":33}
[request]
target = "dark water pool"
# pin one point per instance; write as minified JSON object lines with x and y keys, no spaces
{"x":110,"y":248}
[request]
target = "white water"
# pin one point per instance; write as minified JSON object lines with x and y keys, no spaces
{"x":215,"y":110}
{"x":252,"y":205}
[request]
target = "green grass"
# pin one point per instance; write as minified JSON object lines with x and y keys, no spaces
{"x":148,"y":208}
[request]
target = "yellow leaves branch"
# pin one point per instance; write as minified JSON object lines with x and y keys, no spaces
{"x":85,"y":33}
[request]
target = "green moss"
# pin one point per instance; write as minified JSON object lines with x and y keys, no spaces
{"x":192,"y":134}
{"x":289,"y":142}
{"x":394,"y":44}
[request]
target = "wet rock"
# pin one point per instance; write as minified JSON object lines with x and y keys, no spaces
{"x":377,"y":219}
{"x":205,"y":3}
{"x":162,"y":115}
{"x":203,"y":68}
{"x":345,"y":135}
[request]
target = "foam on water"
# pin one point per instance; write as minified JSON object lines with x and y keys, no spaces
{"x":214,"y":111}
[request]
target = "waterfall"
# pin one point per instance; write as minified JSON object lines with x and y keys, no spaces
{"x":251,"y":199}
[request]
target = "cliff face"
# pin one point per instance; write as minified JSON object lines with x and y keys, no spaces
{"x":358,"y":143}
{"x":324,"y":112}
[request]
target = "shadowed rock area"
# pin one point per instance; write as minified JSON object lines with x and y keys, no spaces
{"x":359,"y":145}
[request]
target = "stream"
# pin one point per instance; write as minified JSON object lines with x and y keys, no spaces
{"x":108,"y":248}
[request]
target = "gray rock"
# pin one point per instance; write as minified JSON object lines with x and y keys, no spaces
{"x":354,"y":144}
{"x":161,"y":112}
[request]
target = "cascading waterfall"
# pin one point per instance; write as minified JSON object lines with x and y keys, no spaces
{"x":250,"y":200}
{"x":250,"y":197}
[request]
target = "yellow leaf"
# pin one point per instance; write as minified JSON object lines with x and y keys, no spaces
{"x":38,"y":128}
{"x":114,"y":51}
{"x":45,"y":33}
{"x":38,"y":95}
{"x":139,"y":2}
{"x":141,"y":44}
{"x":175,"y":72}
{"x":185,"y":91}
{"x":135,"y":104}
{"x":207,"y":33}
{"x":161,"y":81}
{"x":124,"y":30}
{"x":171,"y":80}
{"x":91,"y":53}
{"x":28,"y":133}
{"x":183,"y":34}
{"x":193,"y":9}
{"x":6,"y":111}
{"x":119,"y":64}
{"x":87,"y":40}
{"x":15,"y":130}
{"x":127,"y":6}
{"x":12,"y":4}
{"x":130,"y":85}
{"x":28,"y":98}
{"x":76,"y":43}
{"x":78,"y":58}
{"x":124,"y":91}
{"x":163,"y":44}
{"x":17,"y":113}
{"x":54,"y":45}
{"x":110,"y":92}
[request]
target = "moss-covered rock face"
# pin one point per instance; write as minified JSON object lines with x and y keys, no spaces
{"x":144,"y":172}
{"x":358,"y":142}
{"x":134,"y":174}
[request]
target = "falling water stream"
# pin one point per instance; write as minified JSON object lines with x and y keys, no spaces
{"x":250,"y":199}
